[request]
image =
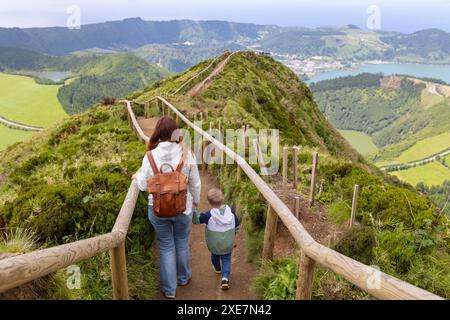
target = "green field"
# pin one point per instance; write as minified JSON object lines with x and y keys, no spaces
{"x":25,"y":101}
{"x":10,"y":136}
{"x":447,"y":159}
{"x":426,"y":147}
{"x":433,"y":173}
{"x":360,"y":141}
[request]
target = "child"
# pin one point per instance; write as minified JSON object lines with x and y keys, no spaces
{"x":222,"y":224}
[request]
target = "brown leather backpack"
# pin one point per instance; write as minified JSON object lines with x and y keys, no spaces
{"x":169,"y":189}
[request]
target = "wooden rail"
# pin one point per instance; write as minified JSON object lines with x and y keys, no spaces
{"x":369,"y":279}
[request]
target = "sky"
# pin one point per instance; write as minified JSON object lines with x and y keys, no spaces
{"x":394,"y":15}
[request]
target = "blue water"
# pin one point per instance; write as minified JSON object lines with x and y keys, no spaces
{"x":441,"y":72}
{"x":53,"y":75}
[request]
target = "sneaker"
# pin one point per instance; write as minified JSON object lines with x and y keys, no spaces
{"x":225,"y":285}
{"x":216,"y":271}
{"x":185,"y":283}
{"x":169,"y":296}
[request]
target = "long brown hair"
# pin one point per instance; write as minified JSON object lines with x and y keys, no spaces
{"x":164,"y":131}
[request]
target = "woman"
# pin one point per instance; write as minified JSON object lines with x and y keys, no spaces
{"x":172,"y":233}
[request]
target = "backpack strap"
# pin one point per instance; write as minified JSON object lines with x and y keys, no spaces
{"x":183,"y":157}
{"x":152,"y":162}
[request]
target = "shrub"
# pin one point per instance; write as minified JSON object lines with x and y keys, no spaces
{"x":108,"y":100}
{"x":357,"y":243}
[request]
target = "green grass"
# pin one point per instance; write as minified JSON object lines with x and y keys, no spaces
{"x":10,"y":136}
{"x":25,"y":101}
{"x":360,"y":141}
{"x":431,"y":174}
{"x":447,"y":160}
{"x":426,"y":147}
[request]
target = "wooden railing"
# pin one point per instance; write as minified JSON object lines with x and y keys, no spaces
{"x":369,"y":279}
{"x":23,"y":268}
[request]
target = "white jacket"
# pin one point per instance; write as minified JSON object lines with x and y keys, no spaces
{"x":170,"y":152}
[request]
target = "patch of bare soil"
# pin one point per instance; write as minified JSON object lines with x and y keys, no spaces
{"x":313,"y":219}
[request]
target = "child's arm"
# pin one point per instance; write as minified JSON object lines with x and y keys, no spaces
{"x":199,"y":218}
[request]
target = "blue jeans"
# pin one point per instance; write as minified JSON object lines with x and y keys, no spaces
{"x":225,"y":266}
{"x":173,"y":240}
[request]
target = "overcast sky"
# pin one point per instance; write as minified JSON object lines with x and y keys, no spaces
{"x":405,"y":16}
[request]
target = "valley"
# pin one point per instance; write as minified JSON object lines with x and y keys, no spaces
{"x":23,"y":100}
{"x":398,"y":122}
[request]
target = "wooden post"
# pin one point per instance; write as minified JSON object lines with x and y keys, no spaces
{"x":285,"y":165}
{"x":204,"y":145}
{"x":119,"y":272}
{"x":313,"y":179}
{"x":146,"y":110}
{"x":223,"y":155}
{"x":160,"y":106}
{"x":238,"y":168}
{"x":269,"y":233}
{"x":305,"y":277}
{"x":295,"y":165}
{"x":297,"y":206}
{"x":354,"y":204}
{"x":222,"y":140}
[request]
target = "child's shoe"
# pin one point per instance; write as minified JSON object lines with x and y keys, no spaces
{"x":225,"y":285}
{"x":216,"y":271}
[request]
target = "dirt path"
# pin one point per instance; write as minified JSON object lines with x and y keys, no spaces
{"x":18,"y":126}
{"x":205,"y":284}
{"x":147,"y":125}
{"x":206,"y":83}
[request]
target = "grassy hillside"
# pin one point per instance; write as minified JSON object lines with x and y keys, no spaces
{"x":426,"y":147}
{"x":25,"y":101}
{"x":11,"y":136}
{"x":114,"y":76}
{"x":70,"y":183}
{"x":360,"y":141}
{"x":432,"y":174}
